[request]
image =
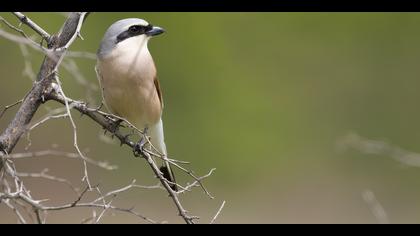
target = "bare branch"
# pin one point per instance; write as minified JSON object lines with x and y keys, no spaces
{"x":27,"y":71}
{"x":190,"y":173}
{"x":43,"y":174}
{"x":16,"y":211}
{"x":182,"y":212}
{"x":115,"y":192}
{"x":38,"y":216}
{"x":71,"y":66}
{"x":21,"y":32}
{"x":25,"y":40}
{"x":379,"y":147}
{"x":75,"y":141}
{"x":41,"y":87}
{"x":9,"y":106}
{"x":196,"y":183}
{"x":25,"y":20}
{"x":86,"y":55}
{"x":47,"y":119}
{"x":218,"y":213}
{"x":375,"y":207}
{"x":106,"y":207}
{"x":40,"y":207}
{"x":71,"y":155}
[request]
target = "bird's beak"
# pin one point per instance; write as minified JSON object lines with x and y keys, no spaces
{"x":155,"y":31}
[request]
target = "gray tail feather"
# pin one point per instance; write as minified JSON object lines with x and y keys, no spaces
{"x":169,"y":175}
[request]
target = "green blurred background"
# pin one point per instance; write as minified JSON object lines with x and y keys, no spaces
{"x":262,"y":97}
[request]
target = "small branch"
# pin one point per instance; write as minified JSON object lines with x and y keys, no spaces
{"x":37,"y":205}
{"x":47,"y":119}
{"x":378,"y":147}
{"x":75,"y":140}
{"x":27,"y":71}
{"x":182,"y":212}
{"x":24,"y":40}
{"x":102,"y":164}
{"x":86,"y":55}
{"x":44,"y":175}
{"x":115,"y":192}
{"x":20,"y":31}
{"x":38,"y":216}
{"x":194,"y":184}
{"x":197,"y":179}
{"x":9,"y":106}
{"x":106,"y":207}
{"x":375,"y":207}
{"x":25,"y":20}
{"x":16,"y":211}
{"x":218,"y":212}
{"x":76,"y":20}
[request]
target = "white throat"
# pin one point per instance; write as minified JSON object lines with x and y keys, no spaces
{"x":133,"y":55}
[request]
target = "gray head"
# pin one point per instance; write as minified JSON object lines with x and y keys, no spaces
{"x":127,"y":29}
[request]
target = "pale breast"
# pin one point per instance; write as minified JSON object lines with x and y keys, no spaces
{"x":128,"y":86}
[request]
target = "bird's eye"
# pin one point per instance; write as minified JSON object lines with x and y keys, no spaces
{"x":135,"y":29}
{"x":149,"y":27}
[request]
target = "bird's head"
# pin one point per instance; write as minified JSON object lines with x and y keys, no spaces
{"x":131,"y":33}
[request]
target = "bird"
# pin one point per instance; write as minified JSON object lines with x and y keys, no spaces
{"x":128,"y":77}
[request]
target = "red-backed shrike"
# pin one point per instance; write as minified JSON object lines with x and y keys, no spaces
{"x":130,"y":87}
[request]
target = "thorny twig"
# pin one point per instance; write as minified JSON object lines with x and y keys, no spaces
{"x":106,"y":121}
{"x":182,"y":212}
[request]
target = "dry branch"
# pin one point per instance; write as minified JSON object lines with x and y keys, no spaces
{"x":25,"y":20}
{"x":41,"y":87}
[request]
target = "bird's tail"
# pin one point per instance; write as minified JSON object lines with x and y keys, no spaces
{"x":157,"y":139}
{"x":169,"y":175}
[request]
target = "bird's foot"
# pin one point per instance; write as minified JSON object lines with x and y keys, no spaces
{"x":139,"y":147}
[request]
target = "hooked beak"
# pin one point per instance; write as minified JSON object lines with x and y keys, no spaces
{"x":155,"y":31}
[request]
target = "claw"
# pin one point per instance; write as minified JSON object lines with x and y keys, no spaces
{"x":139,"y":147}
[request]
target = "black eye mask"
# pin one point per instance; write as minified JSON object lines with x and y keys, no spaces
{"x":134,"y":30}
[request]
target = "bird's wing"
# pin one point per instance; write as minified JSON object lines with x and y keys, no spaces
{"x":159,"y":90}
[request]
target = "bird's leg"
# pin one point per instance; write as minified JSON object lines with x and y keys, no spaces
{"x":139,"y":147}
